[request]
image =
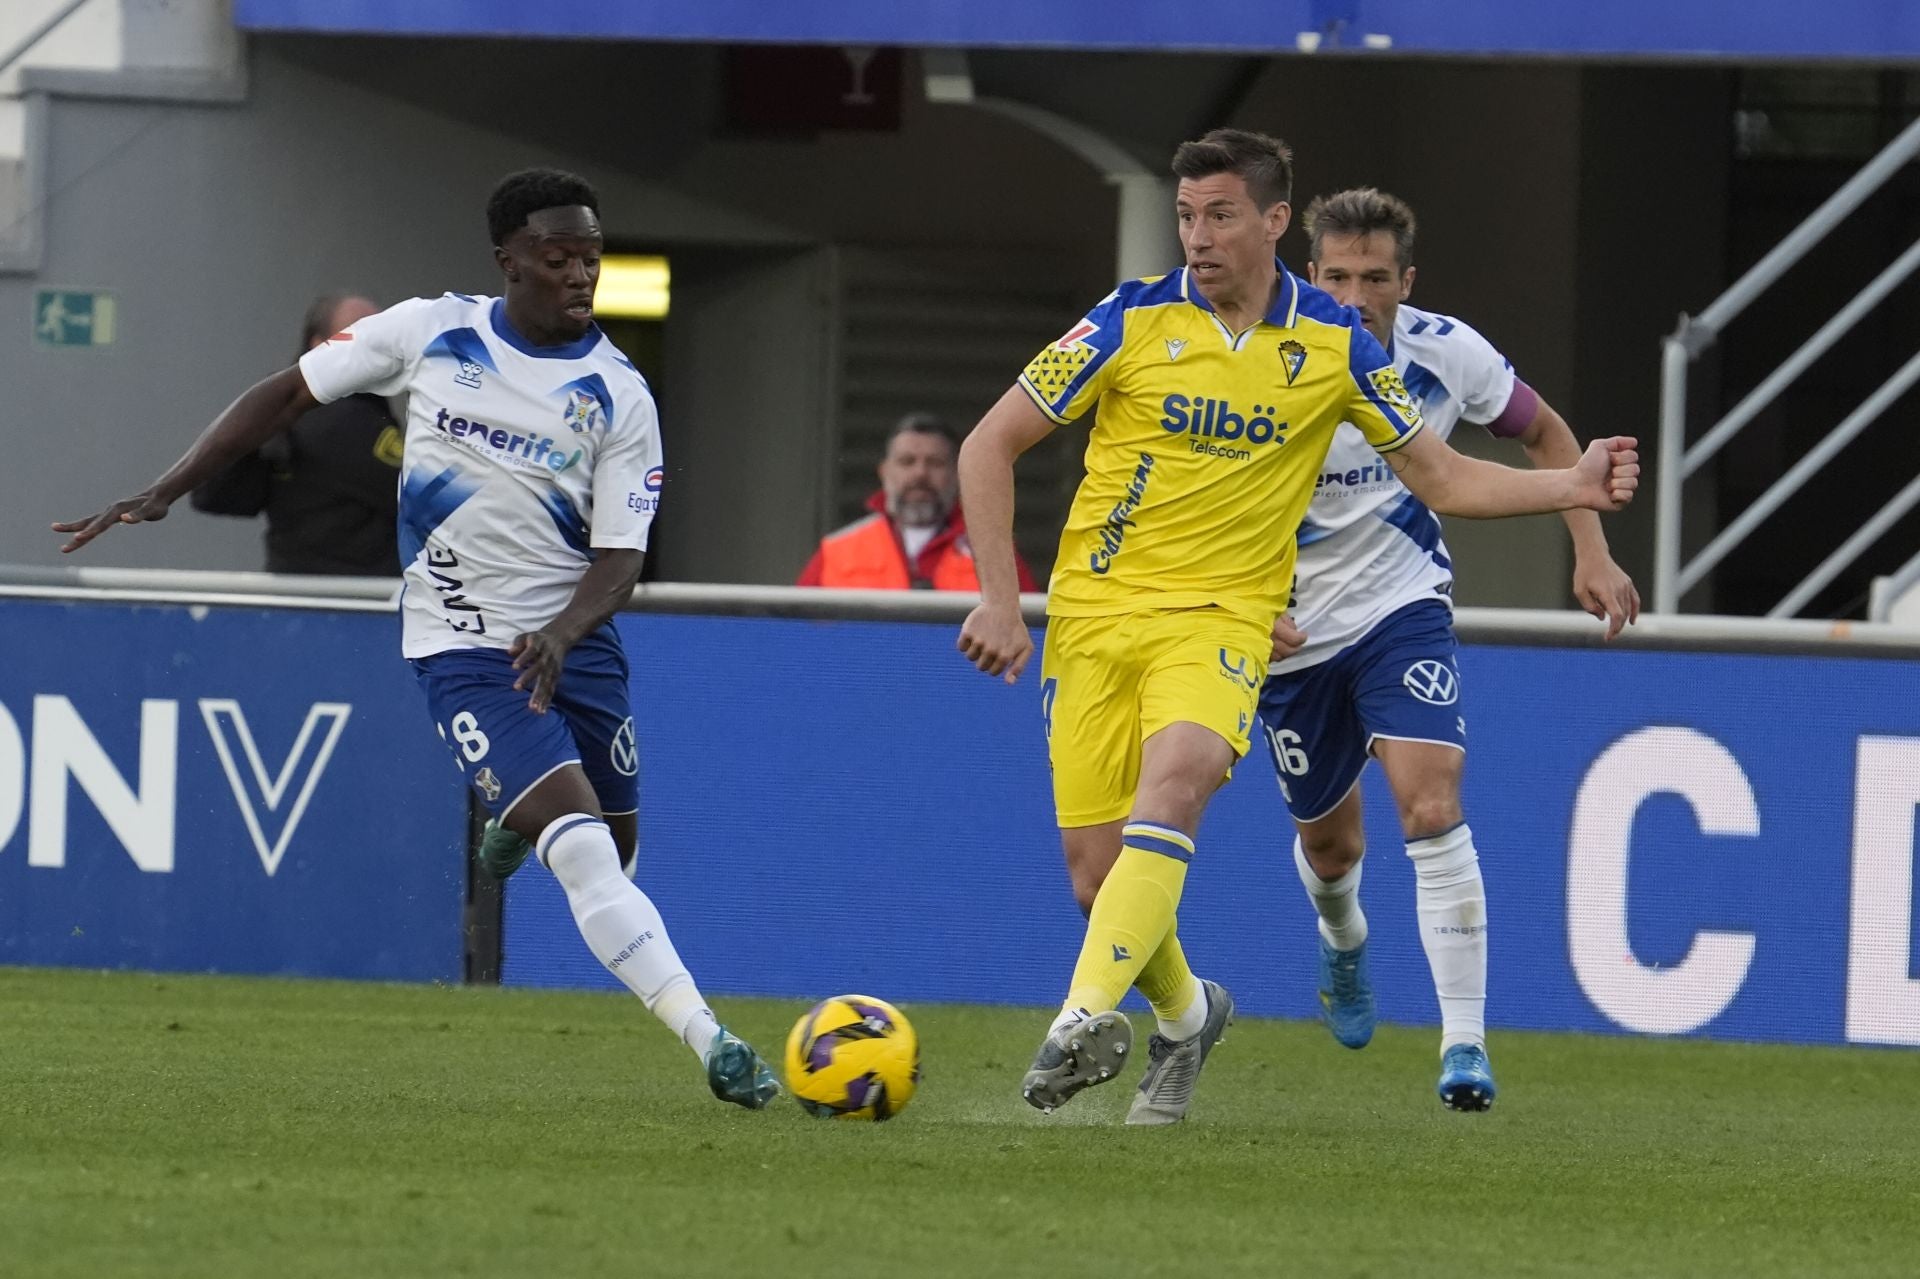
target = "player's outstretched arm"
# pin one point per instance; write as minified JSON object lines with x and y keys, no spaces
{"x":994,"y":637}
{"x":604,"y":589}
{"x":262,"y":411}
{"x":1601,"y":586}
{"x":1453,"y":484}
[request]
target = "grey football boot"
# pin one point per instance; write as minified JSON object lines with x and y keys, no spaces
{"x":1174,"y":1066}
{"x":1076,"y":1056}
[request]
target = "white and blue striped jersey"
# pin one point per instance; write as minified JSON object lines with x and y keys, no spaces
{"x":1368,"y":546}
{"x":519,"y":461}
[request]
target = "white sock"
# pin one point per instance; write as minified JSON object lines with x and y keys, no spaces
{"x":1342,"y":922}
{"x":1190,"y":1022}
{"x":1452,"y":904}
{"x":623,"y":929}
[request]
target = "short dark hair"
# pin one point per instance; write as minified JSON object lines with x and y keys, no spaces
{"x":922,"y":424}
{"x":521,"y":195}
{"x":1264,"y":163}
{"x":1361,"y":211}
{"x":319,"y":320}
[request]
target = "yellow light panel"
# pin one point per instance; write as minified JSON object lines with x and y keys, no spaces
{"x":632,"y":286}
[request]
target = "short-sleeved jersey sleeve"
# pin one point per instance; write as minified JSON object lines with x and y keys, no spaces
{"x":627,"y":475}
{"x":1069,"y":375}
{"x":374,"y":355}
{"x":1380,"y":406}
{"x":1485,"y":378}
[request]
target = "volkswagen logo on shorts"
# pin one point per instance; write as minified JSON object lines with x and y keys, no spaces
{"x":1432,"y":682}
{"x":623,"y":754}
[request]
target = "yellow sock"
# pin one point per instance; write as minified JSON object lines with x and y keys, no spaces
{"x":1132,"y":916}
{"x":1168,"y":983}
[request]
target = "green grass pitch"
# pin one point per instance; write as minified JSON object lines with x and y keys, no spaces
{"x":200,"y":1126}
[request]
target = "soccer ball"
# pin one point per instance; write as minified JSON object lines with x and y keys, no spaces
{"x":853,"y":1057}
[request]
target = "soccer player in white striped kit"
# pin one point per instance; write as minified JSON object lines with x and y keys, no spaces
{"x":531,"y":477}
{"x":1364,"y":659}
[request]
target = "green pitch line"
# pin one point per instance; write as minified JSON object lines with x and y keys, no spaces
{"x":198,"y":1126}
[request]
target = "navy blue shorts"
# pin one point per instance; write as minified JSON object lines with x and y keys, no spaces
{"x":504,"y":748}
{"x":1400,"y":680}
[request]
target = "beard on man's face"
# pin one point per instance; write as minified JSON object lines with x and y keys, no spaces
{"x":919,"y":506}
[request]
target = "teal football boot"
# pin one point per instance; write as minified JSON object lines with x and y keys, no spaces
{"x":501,"y":851}
{"x":738,"y":1074}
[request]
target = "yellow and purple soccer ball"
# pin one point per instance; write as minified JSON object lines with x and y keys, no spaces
{"x":853,"y":1057}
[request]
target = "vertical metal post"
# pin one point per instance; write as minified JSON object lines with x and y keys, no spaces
{"x":1671,"y":474}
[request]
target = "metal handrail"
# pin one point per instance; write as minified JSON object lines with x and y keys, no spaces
{"x":1802,"y":359}
{"x":1802,"y":471}
{"x":1510,"y":626}
{"x":1866,"y":535}
{"x":1694,"y":335}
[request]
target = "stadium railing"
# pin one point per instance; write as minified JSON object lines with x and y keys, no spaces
{"x":1674,"y":575}
{"x":1557,"y":627}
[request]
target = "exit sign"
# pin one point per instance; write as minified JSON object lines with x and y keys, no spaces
{"x":72,"y":317}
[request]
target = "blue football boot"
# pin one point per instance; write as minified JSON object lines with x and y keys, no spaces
{"x":736,"y":1073}
{"x":1346,"y":994}
{"x":1466,"y":1080}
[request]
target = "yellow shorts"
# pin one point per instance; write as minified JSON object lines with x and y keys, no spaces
{"x":1109,"y":683}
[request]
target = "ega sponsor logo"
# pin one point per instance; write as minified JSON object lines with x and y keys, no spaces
{"x":649,"y":500}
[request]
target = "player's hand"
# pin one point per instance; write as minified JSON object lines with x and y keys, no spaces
{"x":141,"y":508}
{"x":539,"y":658}
{"x":995,"y":639}
{"x":1288,"y":639}
{"x":1604,"y":590}
{"x":1607,"y":474}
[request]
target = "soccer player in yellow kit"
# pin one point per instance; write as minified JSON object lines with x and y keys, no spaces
{"x":1216,"y":391}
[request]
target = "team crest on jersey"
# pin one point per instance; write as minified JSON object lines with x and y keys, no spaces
{"x":581,"y":412}
{"x":1293,"y":357}
{"x":488,"y":783}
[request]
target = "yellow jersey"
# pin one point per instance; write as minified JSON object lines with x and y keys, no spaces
{"x":1206,"y":444}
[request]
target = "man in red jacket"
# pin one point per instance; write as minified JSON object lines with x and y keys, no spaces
{"x":916,"y":537}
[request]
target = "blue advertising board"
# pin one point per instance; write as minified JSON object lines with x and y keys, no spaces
{"x":1876,"y":29}
{"x":1673,"y":843}
{"x":231,"y":790}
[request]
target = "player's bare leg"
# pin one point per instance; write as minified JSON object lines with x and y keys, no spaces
{"x":1327,"y":854}
{"x":1091,"y":852}
{"x":561,"y":817}
{"x":1452,"y":901}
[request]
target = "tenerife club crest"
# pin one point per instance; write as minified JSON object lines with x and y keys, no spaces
{"x":582,"y":411}
{"x":1293,"y":358}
